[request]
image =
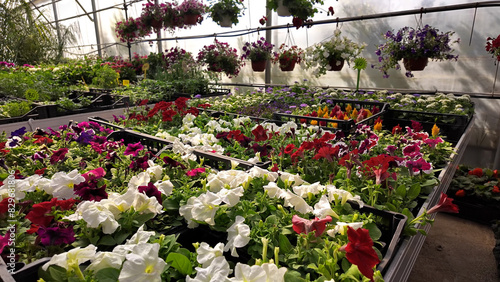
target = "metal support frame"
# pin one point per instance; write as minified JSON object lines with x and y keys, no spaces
{"x":129,"y":46}
{"x":269,"y":15}
{"x":97,"y":32}
{"x":54,"y":8}
{"x":158,"y":36}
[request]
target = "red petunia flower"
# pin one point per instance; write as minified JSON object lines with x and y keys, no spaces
{"x":168,"y":114}
{"x":180,"y":103}
{"x":495,"y":189}
{"x":416,"y":126}
{"x":263,"y":20}
{"x":302,"y":225}
{"x":397,"y":130}
{"x":460,"y":193}
{"x":289,"y":149}
{"x":133,"y":149}
{"x":43,"y":140}
{"x":477,"y":172}
{"x":40,"y":171}
{"x":151,"y":191}
{"x":39,"y":213}
{"x":275,"y":168}
{"x":260,"y":133}
{"x":328,"y":153}
{"x":58,"y":155}
{"x":330,"y":11}
{"x":4,"y":206}
{"x":143,"y":102}
{"x":445,"y":205}
{"x":359,"y":251}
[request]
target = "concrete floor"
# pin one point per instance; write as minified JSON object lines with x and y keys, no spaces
{"x":456,"y":250}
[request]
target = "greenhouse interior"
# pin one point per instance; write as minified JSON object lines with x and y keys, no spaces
{"x":262,"y":140}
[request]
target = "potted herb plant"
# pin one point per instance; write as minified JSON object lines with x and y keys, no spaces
{"x":226,"y":12}
{"x":258,"y":52}
{"x":493,"y":47}
{"x":220,"y":57}
{"x":191,"y":11}
{"x":287,"y":57}
{"x":330,"y":55}
{"x":415,"y":47}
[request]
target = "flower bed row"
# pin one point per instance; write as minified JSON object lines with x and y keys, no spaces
{"x":102,"y":191}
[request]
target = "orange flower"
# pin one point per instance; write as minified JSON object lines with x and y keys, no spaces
{"x":435,"y":131}
{"x":314,"y":122}
{"x":354,"y":114}
{"x":460,"y":193}
{"x":348,"y":108}
{"x":377,"y":126}
{"x":495,"y":189}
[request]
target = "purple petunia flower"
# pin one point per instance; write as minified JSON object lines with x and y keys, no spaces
{"x":133,"y":149}
{"x":84,"y":138}
{"x":18,"y":132}
{"x":56,"y":236}
{"x":151,"y":191}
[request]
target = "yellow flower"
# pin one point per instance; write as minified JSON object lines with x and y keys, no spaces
{"x":314,"y":122}
{"x":435,"y":131}
{"x":320,"y":111}
{"x":326,"y":115}
{"x":368,"y":113}
{"x":348,"y":109}
{"x":377,"y":126}
{"x":354,"y":114}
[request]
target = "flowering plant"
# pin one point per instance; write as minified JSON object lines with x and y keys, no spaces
{"x":192,"y":7}
{"x":226,"y":8}
{"x":426,"y":42}
{"x":220,"y":57}
{"x":260,"y":50}
{"x":338,"y":48}
{"x":493,"y":47}
{"x":152,"y":16}
{"x":130,"y":30}
{"x":481,"y":183}
{"x":287,"y":56}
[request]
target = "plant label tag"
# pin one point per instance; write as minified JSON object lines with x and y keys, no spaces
{"x":126,"y":82}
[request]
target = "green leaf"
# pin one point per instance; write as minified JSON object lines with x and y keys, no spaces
{"x":374,"y":231}
{"x":120,"y":237}
{"x":107,"y":240}
{"x":107,"y":275}
{"x":414,"y":191}
{"x":181,"y":263}
{"x":170,"y":204}
{"x":401,"y":191}
{"x":293,"y":276}
{"x":285,"y":245}
{"x":57,"y":273}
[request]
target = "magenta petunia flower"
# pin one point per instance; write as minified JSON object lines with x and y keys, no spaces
{"x":133,"y":149}
{"x":302,"y":225}
{"x":195,"y":172}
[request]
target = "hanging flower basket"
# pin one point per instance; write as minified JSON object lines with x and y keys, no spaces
{"x":336,"y":65}
{"x":282,"y":10}
{"x":226,"y":21}
{"x":415,"y":64}
{"x":286,"y":65}
{"x":259,"y":66}
{"x":191,"y":19}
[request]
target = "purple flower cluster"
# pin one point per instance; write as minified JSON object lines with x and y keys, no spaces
{"x":260,"y":50}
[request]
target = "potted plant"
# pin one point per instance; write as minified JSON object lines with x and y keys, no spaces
{"x":191,"y":11}
{"x":130,"y":30}
{"x":330,"y":55}
{"x":415,"y":47}
{"x":258,"y":52}
{"x":226,"y":12}
{"x":152,"y":16}
{"x":493,"y":47}
{"x":301,"y":10}
{"x":170,"y":15}
{"x":287,"y":57}
{"x":220,"y":57}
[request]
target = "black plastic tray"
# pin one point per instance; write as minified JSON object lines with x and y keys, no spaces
{"x":452,"y":129}
{"x":344,"y":125}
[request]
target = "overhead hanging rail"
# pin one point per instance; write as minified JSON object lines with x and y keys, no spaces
{"x":419,"y":11}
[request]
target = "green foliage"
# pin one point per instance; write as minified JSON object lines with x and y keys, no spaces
{"x":227,"y":8}
{"x":106,"y":77}
{"x":31,"y":94}
{"x":15,"y":108}
{"x":26,"y":36}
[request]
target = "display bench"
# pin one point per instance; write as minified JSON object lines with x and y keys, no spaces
{"x":402,"y":263}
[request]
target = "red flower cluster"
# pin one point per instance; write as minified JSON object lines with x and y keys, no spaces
{"x":477,"y":172}
{"x":493,"y":47}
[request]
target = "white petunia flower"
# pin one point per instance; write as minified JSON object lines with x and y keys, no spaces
{"x":238,"y":235}
{"x":231,"y":197}
{"x":62,"y":184}
{"x":95,"y":214}
{"x":154,"y":171}
{"x":246,"y":273}
{"x":291,"y":179}
{"x":143,"y":264}
{"x":274,"y":273}
{"x":166,"y":187}
{"x":273,"y":190}
{"x":72,"y":258}
{"x":306,"y":189}
{"x":140,"y":236}
{"x":106,"y":260}
{"x":141,"y":179}
{"x":186,"y":211}
{"x":217,"y":272}
{"x":334,"y":193}
{"x":255,"y":172}
{"x":295,"y":201}
{"x":323,"y":208}
{"x":207,"y":254}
